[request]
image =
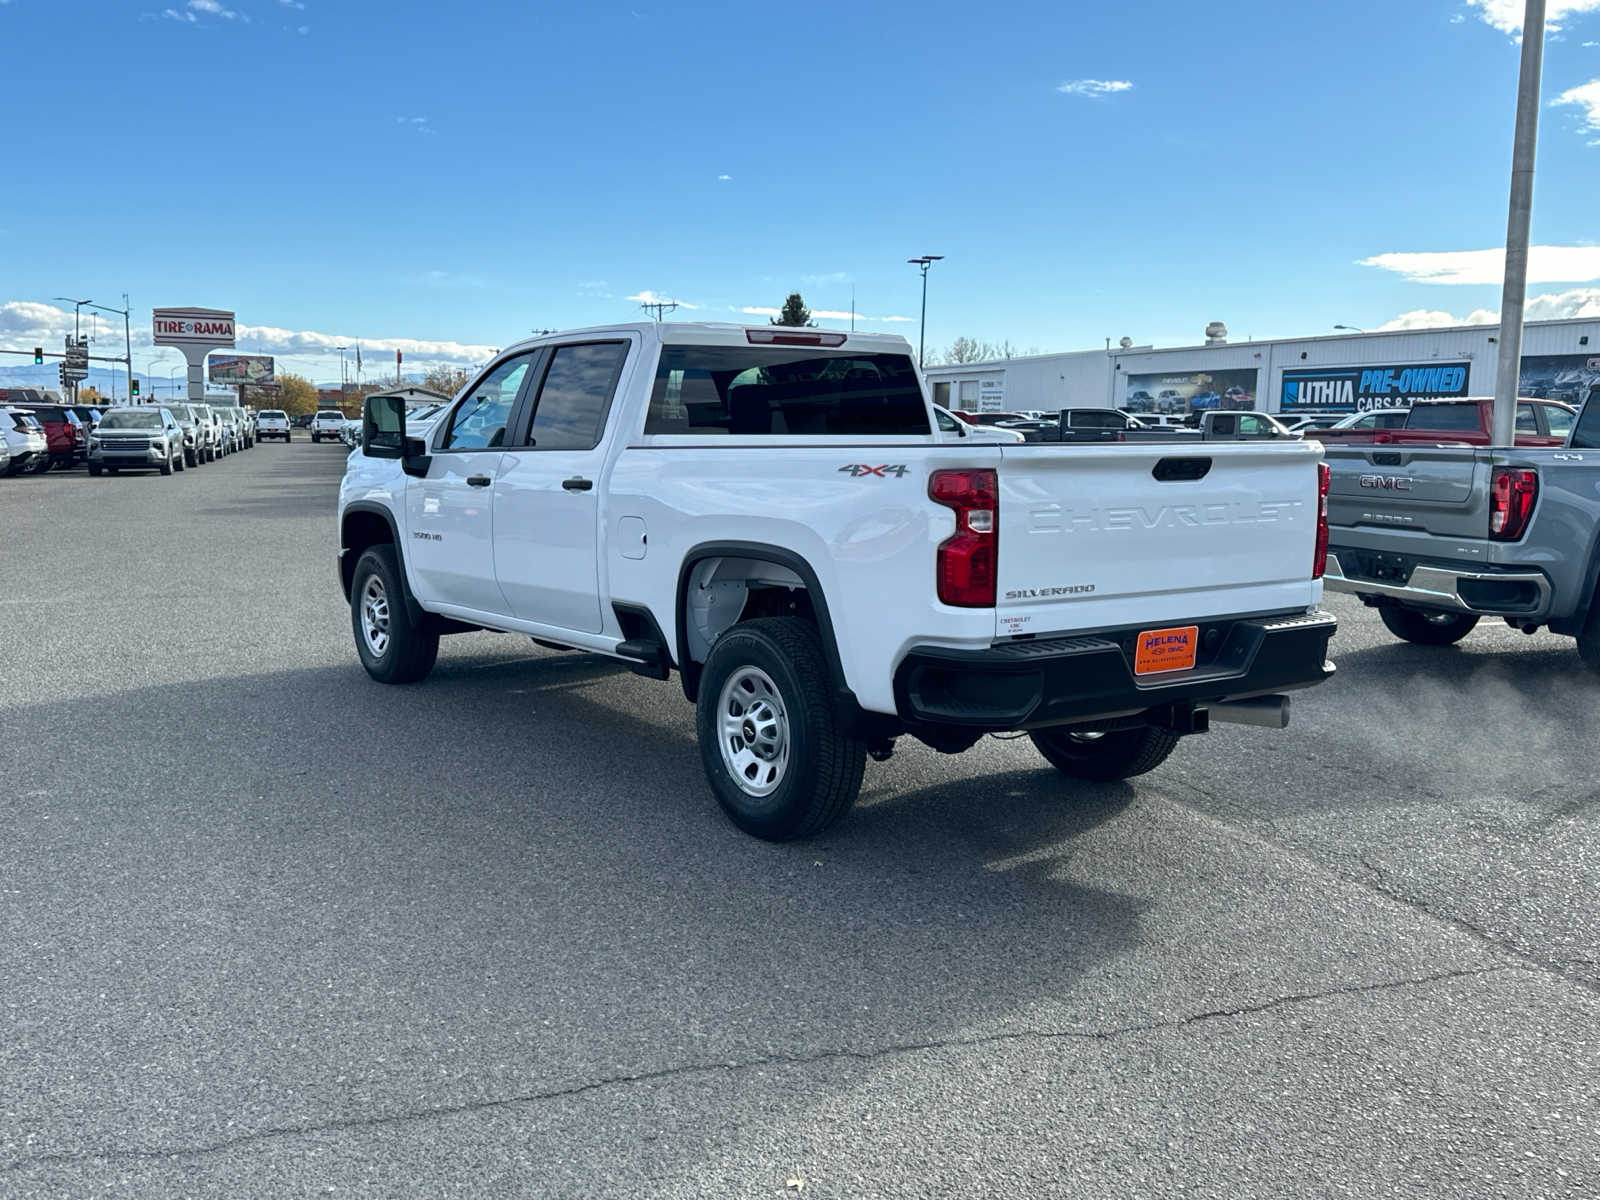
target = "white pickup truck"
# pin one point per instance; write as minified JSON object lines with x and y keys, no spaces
{"x":327,"y":424}
{"x":771,"y":513}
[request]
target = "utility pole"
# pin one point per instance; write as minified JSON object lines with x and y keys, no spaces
{"x":659,"y":307}
{"x":1508,"y":368}
{"x":925,"y":261}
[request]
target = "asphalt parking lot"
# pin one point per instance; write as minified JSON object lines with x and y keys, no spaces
{"x":269,"y":928}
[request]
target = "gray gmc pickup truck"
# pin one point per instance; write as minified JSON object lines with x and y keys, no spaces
{"x":1438,"y":536}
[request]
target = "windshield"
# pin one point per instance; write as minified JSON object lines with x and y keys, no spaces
{"x":273,"y":413}
{"x":131,"y":420}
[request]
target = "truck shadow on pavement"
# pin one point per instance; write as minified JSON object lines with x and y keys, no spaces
{"x":327,"y":880}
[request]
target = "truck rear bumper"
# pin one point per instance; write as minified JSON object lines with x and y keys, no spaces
{"x":1438,"y":585}
{"x":1056,"y":681}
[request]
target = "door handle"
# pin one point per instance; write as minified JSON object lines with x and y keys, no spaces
{"x":577,"y":484}
{"x":478,"y":481}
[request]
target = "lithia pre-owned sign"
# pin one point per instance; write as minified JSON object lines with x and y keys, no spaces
{"x":193,"y":327}
{"x":195,"y":332}
{"x":1362,"y":389}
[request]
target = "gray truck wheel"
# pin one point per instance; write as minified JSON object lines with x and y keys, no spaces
{"x":1116,"y":754}
{"x":769,"y":739}
{"x":392,"y":648}
{"x":1427,"y":627}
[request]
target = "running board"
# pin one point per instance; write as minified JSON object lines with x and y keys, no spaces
{"x":645,"y":656}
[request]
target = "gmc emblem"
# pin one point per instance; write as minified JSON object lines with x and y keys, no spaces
{"x":1387,"y":483}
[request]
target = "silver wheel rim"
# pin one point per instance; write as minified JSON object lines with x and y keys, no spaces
{"x":1087,"y":739}
{"x":1438,"y":618}
{"x":753,"y":732}
{"x":375,"y":615}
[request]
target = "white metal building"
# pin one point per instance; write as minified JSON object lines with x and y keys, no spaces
{"x":1338,"y":373}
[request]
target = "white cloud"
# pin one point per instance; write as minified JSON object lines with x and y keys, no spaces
{"x":1506,"y":15}
{"x":1552,"y":306}
{"x":416,"y":124}
{"x":896,"y":318}
{"x":1458,"y":18}
{"x":1098,"y":88}
{"x":215,"y":9}
{"x":751,"y":310}
{"x":1546,"y":264}
{"x":174,"y":15}
{"x":27,"y":323}
{"x":303,"y":30}
{"x":724,"y":178}
{"x":291,"y":3}
{"x":1587,"y":97}
{"x":649,"y":297}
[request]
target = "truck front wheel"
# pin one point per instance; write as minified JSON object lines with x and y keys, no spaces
{"x":1114,"y":754}
{"x":392,"y":648}
{"x":1427,"y":627}
{"x":769,"y":738}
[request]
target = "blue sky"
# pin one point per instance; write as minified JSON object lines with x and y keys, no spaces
{"x":413,"y":173}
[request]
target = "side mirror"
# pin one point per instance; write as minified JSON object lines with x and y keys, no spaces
{"x":383,"y":427}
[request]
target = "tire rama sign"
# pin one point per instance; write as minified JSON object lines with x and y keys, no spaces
{"x":209,"y":327}
{"x":1362,"y":389}
{"x":194,"y":331}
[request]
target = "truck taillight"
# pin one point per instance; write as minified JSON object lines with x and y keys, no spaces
{"x":968,"y":560}
{"x":1319,"y":560}
{"x":1512,"y":492}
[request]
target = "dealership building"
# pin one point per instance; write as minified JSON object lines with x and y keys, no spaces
{"x":1341,"y":373}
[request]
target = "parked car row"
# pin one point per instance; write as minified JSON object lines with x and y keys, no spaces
{"x":168,"y":436}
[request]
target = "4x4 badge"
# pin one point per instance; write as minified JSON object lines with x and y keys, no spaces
{"x":859,"y":469}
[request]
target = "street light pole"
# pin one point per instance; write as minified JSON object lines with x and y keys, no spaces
{"x":127,"y":339}
{"x":1508,"y":369}
{"x":77,"y":306}
{"x":342,"y":380}
{"x":925,"y":261}
{"x":1351,"y":328}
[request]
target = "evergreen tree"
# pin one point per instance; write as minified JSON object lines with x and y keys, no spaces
{"x":794,"y":312}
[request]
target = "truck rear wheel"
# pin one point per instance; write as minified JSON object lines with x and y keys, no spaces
{"x":769,"y":737}
{"x":1427,"y":627}
{"x":1589,"y":639}
{"x":392,"y":648}
{"x":1114,"y":754}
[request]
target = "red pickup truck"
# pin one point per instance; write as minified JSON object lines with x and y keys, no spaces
{"x":1462,"y":423}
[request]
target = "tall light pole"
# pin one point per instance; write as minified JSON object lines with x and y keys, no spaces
{"x":127,"y":339}
{"x":341,"y":350}
{"x":1351,"y":328}
{"x":925,"y":261}
{"x":1508,"y":369}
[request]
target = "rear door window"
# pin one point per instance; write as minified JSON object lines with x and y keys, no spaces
{"x":1527,"y":419}
{"x":1586,"y":435}
{"x":1559,"y":420}
{"x":570,"y":412}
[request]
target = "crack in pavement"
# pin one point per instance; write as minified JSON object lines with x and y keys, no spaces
{"x":1377,"y":880}
{"x":774,"y":1060}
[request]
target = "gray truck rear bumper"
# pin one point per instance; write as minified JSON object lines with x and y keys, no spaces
{"x":1435,"y":585}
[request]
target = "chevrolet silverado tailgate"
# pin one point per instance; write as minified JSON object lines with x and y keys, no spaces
{"x":1096,"y":537}
{"x":1442,"y":490}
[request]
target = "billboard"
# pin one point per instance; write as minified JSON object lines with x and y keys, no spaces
{"x":192,"y":327}
{"x":234,"y":369}
{"x":1362,"y":389}
{"x":1183,"y":392}
{"x":1566,"y":377}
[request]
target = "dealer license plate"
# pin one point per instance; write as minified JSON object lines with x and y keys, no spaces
{"x":1161,"y":650}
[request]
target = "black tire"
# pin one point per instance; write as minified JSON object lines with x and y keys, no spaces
{"x":1427,"y":627}
{"x":111,"y":470}
{"x":1103,"y":757}
{"x":410,"y":651}
{"x":1589,"y":639}
{"x":191,"y":458}
{"x":94,"y":469}
{"x":166,"y":467}
{"x":821,"y":776}
{"x":180,"y":463}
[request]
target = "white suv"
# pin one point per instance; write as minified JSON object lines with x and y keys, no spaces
{"x":272,"y":423}
{"x":327,"y":424}
{"x":24,"y":439}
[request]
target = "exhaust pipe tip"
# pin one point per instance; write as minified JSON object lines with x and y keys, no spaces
{"x":1264,"y":712}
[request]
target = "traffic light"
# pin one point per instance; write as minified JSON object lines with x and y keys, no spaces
{"x":133,"y":388}
{"x":38,"y":356}
{"x":63,"y":372}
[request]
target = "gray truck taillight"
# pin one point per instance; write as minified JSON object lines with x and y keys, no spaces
{"x":1512,"y":493}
